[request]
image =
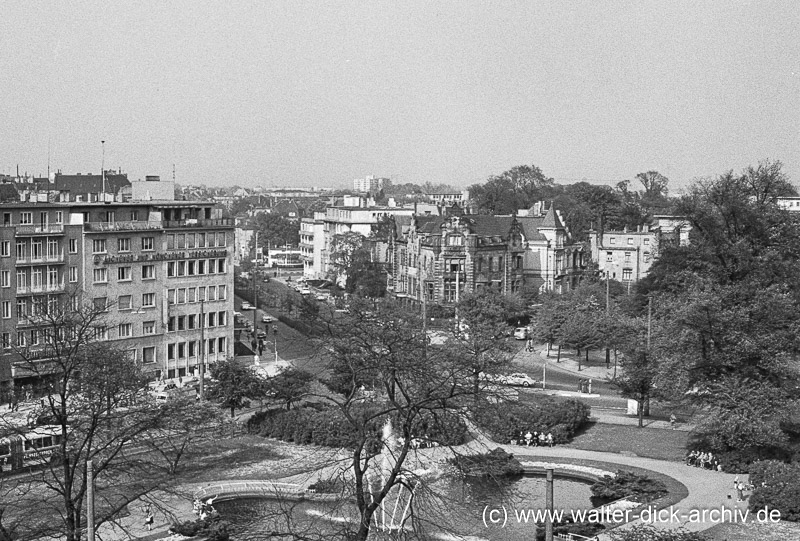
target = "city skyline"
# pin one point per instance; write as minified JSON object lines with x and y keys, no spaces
{"x":288,"y":94}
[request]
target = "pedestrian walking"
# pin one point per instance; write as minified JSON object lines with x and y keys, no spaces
{"x":580,"y":386}
{"x":736,"y":481}
{"x":550,"y":439}
{"x":672,"y":421}
{"x":740,"y":492}
{"x":148,"y":517}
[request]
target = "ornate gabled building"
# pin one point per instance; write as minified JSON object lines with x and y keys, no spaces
{"x":443,"y":257}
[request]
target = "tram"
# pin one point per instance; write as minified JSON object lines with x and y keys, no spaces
{"x":26,"y":449}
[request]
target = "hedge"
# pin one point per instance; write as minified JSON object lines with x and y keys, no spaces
{"x":559,"y":417}
{"x":327,"y":426}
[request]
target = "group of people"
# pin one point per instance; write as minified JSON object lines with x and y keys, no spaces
{"x":707,"y":461}
{"x":533,"y":439}
{"x":585,"y":386}
{"x":204,"y":509}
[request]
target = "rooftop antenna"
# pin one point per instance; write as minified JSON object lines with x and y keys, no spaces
{"x":103,"y":168}
{"x":173,"y":172}
{"x":48,"y":159}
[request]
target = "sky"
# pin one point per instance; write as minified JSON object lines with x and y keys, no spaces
{"x":318,"y":93}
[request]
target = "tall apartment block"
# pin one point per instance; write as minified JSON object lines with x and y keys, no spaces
{"x":162,"y":272}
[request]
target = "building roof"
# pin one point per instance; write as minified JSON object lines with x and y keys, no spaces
{"x":530,"y":227}
{"x":552,"y":220}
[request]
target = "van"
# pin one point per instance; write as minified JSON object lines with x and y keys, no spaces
{"x":521,"y":333}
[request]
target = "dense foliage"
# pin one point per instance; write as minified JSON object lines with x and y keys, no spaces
{"x":626,"y":484}
{"x":777,"y":486}
{"x":726,"y":310}
{"x":211,"y":529}
{"x":504,"y":421}
{"x":584,"y":205}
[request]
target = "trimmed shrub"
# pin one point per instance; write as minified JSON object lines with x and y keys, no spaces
{"x":562,"y":418}
{"x":211,"y":529}
{"x":627,"y":484}
{"x":327,"y":427}
{"x":495,"y":463}
{"x":777,"y":486}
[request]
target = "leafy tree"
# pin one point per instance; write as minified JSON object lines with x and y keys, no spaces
{"x":275,"y":230}
{"x":637,"y":381}
{"x":289,"y":386}
{"x":232,"y":385}
{"x":519,"y":187}
{"x":481,"y":326}
{"x":353,"y":265}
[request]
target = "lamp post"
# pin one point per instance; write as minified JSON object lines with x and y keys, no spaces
{"x":275,"y":336}
{"x":202,"y":349}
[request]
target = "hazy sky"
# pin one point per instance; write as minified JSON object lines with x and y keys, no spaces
{"x":318,"y":93}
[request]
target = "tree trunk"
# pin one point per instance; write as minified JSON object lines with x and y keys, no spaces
{"x":608,"y":358}
{"x":558,"y":356}
{"x":587,"y":357}
{"x":640,"y":403}
{"x":548,"y":349}
{"x":233,"y":410}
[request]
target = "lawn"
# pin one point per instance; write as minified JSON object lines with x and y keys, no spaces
{"x":645,"y":442}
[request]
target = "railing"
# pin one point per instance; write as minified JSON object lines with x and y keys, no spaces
{"x":41,"y":229}
{"x":121,"y":226}
{"x":40,"y":288}
{"x":44,"y":258}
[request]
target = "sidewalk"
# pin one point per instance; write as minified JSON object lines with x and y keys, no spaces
{"x":569,"y":363}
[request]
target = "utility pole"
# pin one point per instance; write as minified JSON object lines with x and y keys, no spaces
{"x":255,"y":292}
{"x":103,"y":169}
{"x":202,"y":349}
{"x":548,"y":519}
{"x":649,"y":319}
{"x":89,"y":501}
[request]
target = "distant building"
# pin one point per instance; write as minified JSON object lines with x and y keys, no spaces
{"x":789,"y":203}
{"x":439,"y":258}
{"x":628,"y":255}
{"x":448,"y":198}
{"x":370,"y":184}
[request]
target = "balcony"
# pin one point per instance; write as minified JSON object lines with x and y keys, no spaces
{"x":218,"y":222}
{"x":37,"y":289}
{"x":121,"y":226}
{"x":40,"y":259}
{"x":39,"y":229}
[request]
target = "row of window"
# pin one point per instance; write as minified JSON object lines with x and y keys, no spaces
{"x":188,"y":241}
{"x":610,"y":257}
{"x":37,"y":277}
{"x":196,"y":267}
{"x":124,"y":274}
{"x":185,"y":295}
{"x":100,"y":246}
{"x":195,"y":321}
{"x":26,"y":218}
{"x":613,"y":240}
{"x":184,"y":350}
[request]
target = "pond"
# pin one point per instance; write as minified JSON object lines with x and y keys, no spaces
{"x":447,"y":506}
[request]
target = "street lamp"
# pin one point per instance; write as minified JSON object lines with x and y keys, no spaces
{"x":275,"y":336}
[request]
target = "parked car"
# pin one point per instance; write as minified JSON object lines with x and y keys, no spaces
{"x":262,"y":334}
{"x":518,"y":379}
{"x":521,"y":333}
{"x":305,"y":291}
{"x":246,"y":306}
{"x":266,"y":318}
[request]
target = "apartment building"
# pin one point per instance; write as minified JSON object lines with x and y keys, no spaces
{"x":162,"y":272}
{"x":629,"y":254}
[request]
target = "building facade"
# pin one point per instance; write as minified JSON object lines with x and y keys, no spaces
{"x":628,"y":255}
{"x":370,"y":184}
{"x":161,"y":273}
{"x":439,"y":258}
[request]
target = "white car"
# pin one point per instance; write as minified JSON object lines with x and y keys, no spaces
{"x":518,"y":379}
{"x":305,"y":291}
{"x":246,"y":306}
{"x":266,"y":318}
{"x":521,"y":333}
